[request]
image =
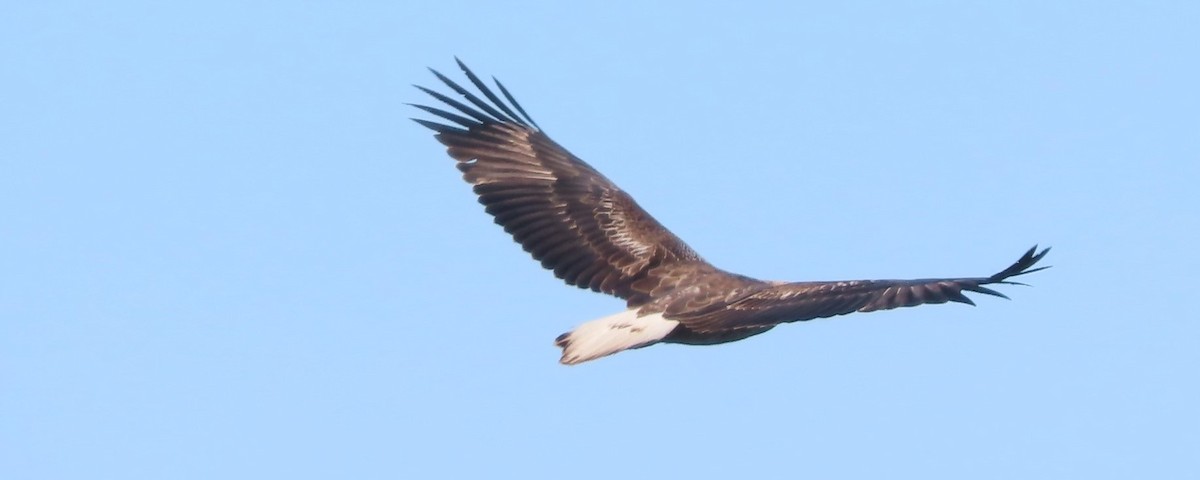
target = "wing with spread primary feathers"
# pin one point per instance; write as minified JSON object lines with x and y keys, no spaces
{"x":560,"y":209}
{"x":793,"y":302}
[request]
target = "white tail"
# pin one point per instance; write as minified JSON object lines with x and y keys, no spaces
{"x":612,"y":334}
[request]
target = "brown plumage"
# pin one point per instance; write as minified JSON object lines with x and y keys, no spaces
{"x":593,"y":235}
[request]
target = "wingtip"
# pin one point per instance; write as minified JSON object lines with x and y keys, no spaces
{"x":1036,"y":270}
{"x":1023,"y":265}
{"x":446,"y":80}
{"x":427,"y":90}
{"x":1036,"y":256}
{"x":437,"y":127}
{"x":986,"y":291}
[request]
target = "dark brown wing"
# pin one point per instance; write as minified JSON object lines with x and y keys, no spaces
{"x":560,"y":209}
{"x":793,"y":302}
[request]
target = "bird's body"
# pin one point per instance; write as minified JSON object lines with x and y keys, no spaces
{"x":593,"y":235}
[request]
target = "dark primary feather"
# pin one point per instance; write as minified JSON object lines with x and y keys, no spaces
{"x":791,"y":302}
{"x":561,"y":210}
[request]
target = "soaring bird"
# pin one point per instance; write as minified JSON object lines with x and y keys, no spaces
{"x":593,"y":235}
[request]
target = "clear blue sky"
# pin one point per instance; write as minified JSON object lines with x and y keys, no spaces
{"x":225,"y":251}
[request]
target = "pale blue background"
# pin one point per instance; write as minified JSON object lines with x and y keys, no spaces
{"x":225,"y":251}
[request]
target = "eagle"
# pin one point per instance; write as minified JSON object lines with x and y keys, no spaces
{"x":593,"y":235}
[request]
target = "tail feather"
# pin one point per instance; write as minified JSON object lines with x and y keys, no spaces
{"x":612,"y":334}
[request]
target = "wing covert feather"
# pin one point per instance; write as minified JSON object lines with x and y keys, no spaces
{"x":562,"y":211}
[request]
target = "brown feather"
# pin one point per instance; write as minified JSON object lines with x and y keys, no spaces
{"x":566,"y":214}
{"x":792,"y":302}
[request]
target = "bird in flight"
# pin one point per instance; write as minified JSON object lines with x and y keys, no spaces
{"x":593,"y":235}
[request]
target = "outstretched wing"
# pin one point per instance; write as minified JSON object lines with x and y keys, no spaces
{"x":793,"y":302}
{"x":560,"y":209}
